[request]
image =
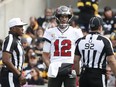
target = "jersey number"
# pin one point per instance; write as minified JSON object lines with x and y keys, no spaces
{"x":89,"y":46}
{"x":65,"y":47}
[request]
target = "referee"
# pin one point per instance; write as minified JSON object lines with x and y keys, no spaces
{"x":94,"y":51}
{"x":13,"y":56}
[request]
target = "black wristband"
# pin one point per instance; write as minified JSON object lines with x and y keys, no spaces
{"x":19,"y":75}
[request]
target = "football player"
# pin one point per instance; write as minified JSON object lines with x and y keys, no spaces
{"x":58,"y":50}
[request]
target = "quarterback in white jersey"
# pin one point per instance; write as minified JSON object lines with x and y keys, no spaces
{"x":59,"y":46}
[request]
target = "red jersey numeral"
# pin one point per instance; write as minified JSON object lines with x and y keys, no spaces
{"x":65,"y":48}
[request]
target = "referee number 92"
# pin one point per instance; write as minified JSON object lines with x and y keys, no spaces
{"x":89,"y":46}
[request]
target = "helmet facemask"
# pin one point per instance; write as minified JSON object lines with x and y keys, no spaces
{"x":63,"y":11}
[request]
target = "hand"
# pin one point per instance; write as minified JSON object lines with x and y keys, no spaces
{"x":22,"y":80}
{"x":78,"y":78}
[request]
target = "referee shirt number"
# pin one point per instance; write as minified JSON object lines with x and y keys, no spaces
{"x":89,"y":46}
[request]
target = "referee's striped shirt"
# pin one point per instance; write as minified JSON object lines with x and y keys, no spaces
{"x":13,"y":46}
{"x":93,"y":50}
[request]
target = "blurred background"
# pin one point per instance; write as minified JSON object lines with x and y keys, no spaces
{"x":39,"y":14}
{"x":26,"y":8}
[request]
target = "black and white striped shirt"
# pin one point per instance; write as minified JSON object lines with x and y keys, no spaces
{"x":93,"y":50}
{"x":13,"y":46}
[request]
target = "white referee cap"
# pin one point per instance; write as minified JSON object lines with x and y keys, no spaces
{"x":16,"y":22}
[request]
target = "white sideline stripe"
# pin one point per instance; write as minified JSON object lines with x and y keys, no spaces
{"x":10,"y":77}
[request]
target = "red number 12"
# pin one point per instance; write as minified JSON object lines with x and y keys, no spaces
{"x":65,"y":47}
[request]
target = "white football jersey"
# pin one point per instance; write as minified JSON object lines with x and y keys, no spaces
{"x":62,"y":43}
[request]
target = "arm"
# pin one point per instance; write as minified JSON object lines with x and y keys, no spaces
{"x":46,"y":58}
{"x":112,"y":63}
{"x":77,"y":64}
{"x":6,"y":60}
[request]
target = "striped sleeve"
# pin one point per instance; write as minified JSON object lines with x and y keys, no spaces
{"x":77,"y":52}
{"x":8,"y":44}
{"x":108,"y":47}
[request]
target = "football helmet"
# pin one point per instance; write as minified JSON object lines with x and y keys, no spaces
{"x":63,"y":10}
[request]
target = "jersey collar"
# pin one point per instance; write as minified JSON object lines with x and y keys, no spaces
{"x":63,"y":30}
{"x":94,"y":33}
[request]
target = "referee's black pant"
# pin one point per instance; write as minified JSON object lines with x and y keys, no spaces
{"x":8,"y":79}
{"x":92,"y":78}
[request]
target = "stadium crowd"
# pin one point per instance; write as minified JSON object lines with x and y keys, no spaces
{"x":34,"y":69}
